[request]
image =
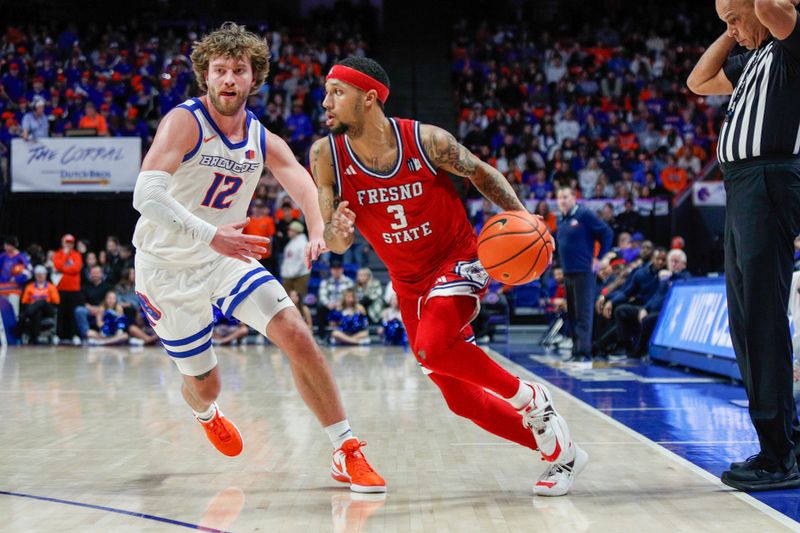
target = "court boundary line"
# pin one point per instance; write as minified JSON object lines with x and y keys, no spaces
{"x":114,"y":510}
{"x":708,"y":476}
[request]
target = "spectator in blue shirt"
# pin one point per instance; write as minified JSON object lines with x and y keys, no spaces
{"x":35,"y":124}
{"x":642,"y":325}
{"x":300,"y":129}
{"x":626,"y":303}
{"x":578,"y":229}
{"x":14,"y":83}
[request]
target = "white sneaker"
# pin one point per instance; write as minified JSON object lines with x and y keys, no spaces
{"x":557,"y":480}
{"x":548,"y":427}
{"x":133,"y":341}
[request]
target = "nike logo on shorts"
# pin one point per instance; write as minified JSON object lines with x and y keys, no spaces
{"x":282,"y":299}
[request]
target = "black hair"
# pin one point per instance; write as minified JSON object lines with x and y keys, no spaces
{"x":12,"y":240}
{"x":368,"y":66}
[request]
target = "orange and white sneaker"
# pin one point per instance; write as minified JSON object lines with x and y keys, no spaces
{"x":350,"y":466}
{"x":223,"y":434}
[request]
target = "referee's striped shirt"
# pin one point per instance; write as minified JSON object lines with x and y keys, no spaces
{"x":763,"y":115}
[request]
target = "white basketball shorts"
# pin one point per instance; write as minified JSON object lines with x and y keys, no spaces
{"x":177,"y":302}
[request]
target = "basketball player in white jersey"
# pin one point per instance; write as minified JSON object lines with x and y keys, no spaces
{"x":193,"y":192}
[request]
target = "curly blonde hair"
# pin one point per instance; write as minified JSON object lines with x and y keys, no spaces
{"x":234,"y":41}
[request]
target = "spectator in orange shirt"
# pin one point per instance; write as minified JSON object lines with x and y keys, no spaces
{"x":263,"y":225}
{"x":39,"y":300}
{"x":550,"y":220}
{"x":673,"y":178}
{"x":68,"y":263}
{"x":93,"y":120}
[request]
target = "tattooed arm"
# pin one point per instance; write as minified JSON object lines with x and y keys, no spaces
{"x":339,"y":221}
{"x":445,"y":152}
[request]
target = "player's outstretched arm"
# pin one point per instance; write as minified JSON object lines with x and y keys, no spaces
{"x":295,"y":179}
{"x":445,"y":152}
{"x":176,"y":136}
{"x":339,"y":220}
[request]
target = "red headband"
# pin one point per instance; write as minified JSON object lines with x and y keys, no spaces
{"x":360,"y":80}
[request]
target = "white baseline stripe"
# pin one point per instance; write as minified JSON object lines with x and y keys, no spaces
{"x":764,"y":508}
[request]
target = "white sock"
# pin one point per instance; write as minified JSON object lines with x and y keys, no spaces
{"x":208,"y":414}
{"x":523,"y":396}
{"x":339,"y":432}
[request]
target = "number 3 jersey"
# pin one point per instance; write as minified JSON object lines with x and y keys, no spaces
{"x":412,"y":215}
{"x":215,"y":182}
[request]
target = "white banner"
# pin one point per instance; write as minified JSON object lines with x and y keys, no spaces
{"x":708,"y":193}
{"x":75,"y":164}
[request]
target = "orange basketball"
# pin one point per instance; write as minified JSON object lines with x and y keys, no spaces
{"x":515,"y":247}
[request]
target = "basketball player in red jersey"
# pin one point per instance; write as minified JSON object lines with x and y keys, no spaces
{"x":388,"y":177}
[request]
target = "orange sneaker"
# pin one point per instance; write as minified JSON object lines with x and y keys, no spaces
{"x":223,"y":434}
{"x":350,"y":466}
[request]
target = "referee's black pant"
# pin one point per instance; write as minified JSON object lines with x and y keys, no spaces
{"x":762,"y":219}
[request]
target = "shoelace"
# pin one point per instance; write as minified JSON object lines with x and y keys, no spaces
{"x":359,"y":464}
{"x":561,"y":468}
{"x":538,"y":422}
{"x":219,"y":429}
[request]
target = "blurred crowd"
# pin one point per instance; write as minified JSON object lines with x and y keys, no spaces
{"x":602,"y":107}
{"x":120,"y":80}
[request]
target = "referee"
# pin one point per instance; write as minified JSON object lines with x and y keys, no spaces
{"x":759,"y":153}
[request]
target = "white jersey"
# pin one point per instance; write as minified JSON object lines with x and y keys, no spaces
{"x":215,"y":182}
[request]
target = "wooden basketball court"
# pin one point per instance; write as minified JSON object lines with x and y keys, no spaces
{"x":99,"y":439}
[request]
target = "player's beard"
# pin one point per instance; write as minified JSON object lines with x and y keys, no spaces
{"x":341,"y":129}
{"x":356,"y":128}
{"x":226,"y":108}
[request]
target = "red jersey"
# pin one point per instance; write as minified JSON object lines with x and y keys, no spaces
{"x":412,"y":216}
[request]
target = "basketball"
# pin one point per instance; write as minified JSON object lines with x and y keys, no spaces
{"x":515,"y":247}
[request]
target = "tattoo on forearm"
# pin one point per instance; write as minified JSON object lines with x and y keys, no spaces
{"x":495,"y":187}
{"x":326,"y":202}
{"x":202,"y":377}
{"x":444,"y":151}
